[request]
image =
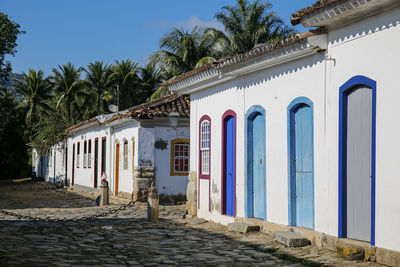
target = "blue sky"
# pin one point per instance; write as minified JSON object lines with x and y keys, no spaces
{"x":83,"y":31}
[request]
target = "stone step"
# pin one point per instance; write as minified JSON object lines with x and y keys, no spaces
{"x":355,"y":250}
{"x":196,"y":221}
{"x":243,"y":227}
{"x":291,"y":239}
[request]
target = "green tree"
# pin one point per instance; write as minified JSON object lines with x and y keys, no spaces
{"x":151,"y":77}
{"x":99,"y":83}
{"x":125,"y":75}
{"x":35,"y":90}
{"x":69,"y":89}
{"x":248,"y":24}
{"x":182,"y":51}
{"x":13,"y":150}
{"x":9,"y":31}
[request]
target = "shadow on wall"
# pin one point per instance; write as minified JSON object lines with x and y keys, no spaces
{"x":369,"y":26}
{"x":263,"y":76}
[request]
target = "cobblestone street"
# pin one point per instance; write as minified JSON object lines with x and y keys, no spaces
{"x":126,"y":238}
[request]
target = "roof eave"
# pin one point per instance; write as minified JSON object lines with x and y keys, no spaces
{"x":305,"y":47}
{"x":343,"y":13}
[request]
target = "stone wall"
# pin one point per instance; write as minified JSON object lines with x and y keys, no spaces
{"x":191,"y":195}
{"x":143,"y":178}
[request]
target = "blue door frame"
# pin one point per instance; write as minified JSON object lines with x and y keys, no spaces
{"x":293,"y":210}
{"x":251,"y":142}
{"x":343,"y":91}
{"x":229,"y":163}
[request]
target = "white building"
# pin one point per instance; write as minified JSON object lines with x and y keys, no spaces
{"x":134,"y":148}
{"x":300,"y":132}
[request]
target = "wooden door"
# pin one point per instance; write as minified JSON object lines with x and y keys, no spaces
{"x":229,"y":165}
{"x":117,"y":169}
{"x":358,"y":163}
{"x":256,"y":165}
{"x":96,"y":162}
{"x":302,"y":176}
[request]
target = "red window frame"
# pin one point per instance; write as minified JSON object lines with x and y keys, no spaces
{"x":204,"y":176}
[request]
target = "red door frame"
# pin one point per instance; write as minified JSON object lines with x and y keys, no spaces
{"x":95,"y":163}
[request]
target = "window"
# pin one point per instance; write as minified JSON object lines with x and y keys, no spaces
{"x":204,"y":144}
{"x":125,"y":155}
{"x":51,"y":157}
{"x":84,"y":154}
{"x":179,"y":157}
{"x":78,"y":154}
{"x":89,"y":159}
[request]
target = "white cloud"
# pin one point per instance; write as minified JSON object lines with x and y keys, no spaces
{"x":195,"y":21}
{"x":189,"y":24}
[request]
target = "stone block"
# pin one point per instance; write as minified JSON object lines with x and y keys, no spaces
{"x":291,"y":239}
{"x":350,"y":250}
{"x":387,"y":257}
{"x":141,"y":183}
{"x":191,"y":208}
{"x":243,"y":227}
{"x":196,"y":221}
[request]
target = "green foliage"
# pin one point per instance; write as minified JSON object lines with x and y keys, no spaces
{"x":162,"y":91}
{"x":13,"y":149}
{"x":248,"y":24}
{"x":99,"y":84}
{"x":34,"y":89}
{"x":181,"y":51}
{"x":9,"y":31}
{"x":49,"y":130}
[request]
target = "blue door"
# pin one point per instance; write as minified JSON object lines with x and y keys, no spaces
{"x":256,"y":165}
{"x":302,"y":177}
{"x":230,"y":166}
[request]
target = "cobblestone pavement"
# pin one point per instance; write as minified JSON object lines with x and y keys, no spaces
{"x":126,"y":238}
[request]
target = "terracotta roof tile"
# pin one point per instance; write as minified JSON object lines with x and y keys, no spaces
{"x":157,"y":108}
{"x":296,"y":17}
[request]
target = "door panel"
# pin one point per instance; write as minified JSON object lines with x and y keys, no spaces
{"x":302,"y":177}
{"x":258,"y":159}
{"x":230,"y":166}
{"x":96,"y":160}
{"x":358,"y":163}
{"x":116,"y":169}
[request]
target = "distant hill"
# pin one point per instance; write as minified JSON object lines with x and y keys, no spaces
{"x":8,"y":84}
{"x":10,"y":79}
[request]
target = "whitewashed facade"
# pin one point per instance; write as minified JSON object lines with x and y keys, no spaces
{"x":123,"y":147}
{"x":357,"y":47}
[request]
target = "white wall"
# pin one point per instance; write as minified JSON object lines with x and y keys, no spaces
{"x":273,"y":89}
{"x":128,"y":132}
{"x":165,"y":183}
{"x":85,"y":176}
{"x":371,"y":48}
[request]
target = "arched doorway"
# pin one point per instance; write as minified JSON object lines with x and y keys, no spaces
{"x":256,"y":176}
{"x":301,"y":162}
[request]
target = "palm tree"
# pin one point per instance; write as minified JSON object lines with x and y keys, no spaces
{"x":125,"y":74}
{"x":36,"y":91}
{"x":182,"y":51}
{"x":69,"y":87}
{"x":248,"y":24}
{"x":151,"y":77}
{"x":99,"y":83}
